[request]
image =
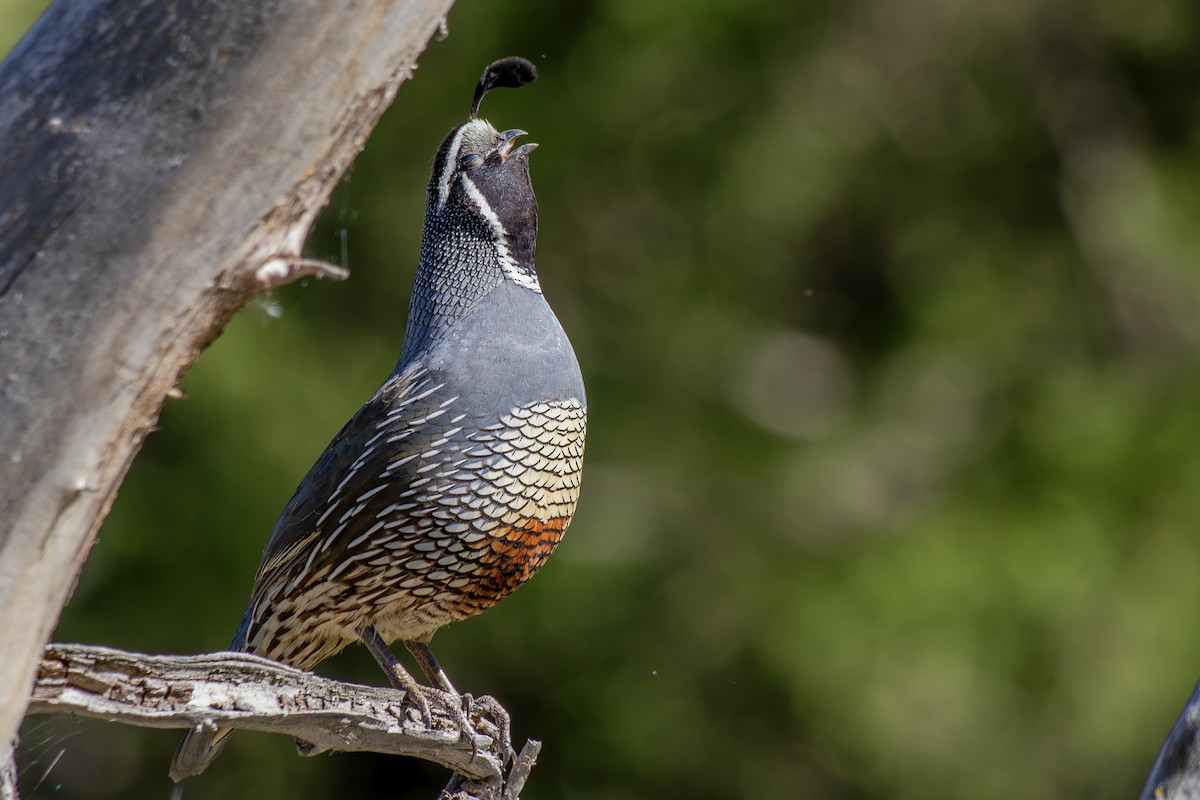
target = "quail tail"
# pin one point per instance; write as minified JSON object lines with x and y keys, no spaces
{"x":203,"y":743}
{"x":197,"y":750}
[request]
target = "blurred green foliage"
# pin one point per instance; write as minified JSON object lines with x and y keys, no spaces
{"x":888,"y":315}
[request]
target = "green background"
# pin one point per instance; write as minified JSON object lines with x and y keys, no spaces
{"x":888,"y":316}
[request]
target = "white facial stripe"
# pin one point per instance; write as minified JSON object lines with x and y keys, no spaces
{"x":507,"y":262}
{"x":448,"y":168}
{"x":485,"y":208}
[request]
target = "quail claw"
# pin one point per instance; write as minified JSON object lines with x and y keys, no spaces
{"x":499,"y":720}
{"x":458,"y":710}
{"x":418,"y":701}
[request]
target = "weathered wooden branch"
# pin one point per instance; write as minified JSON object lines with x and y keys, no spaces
{"x":162,"y":164}
{"x":461,"y":787}
{"x":8,"y":772}
{"x":1176,"y":771}
{"x":238,"y":690}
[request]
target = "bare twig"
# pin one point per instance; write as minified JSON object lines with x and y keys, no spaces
{"x":282,"y":270}
{"x":519,"y":773}
{"x":461,"y":787}
{"x":238,"y":690}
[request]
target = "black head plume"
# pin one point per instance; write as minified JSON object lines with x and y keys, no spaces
{"x":511,"y":72}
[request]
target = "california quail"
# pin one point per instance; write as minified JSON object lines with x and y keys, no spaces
{"x":456,"y":480}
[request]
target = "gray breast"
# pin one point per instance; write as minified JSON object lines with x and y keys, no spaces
{"x":510,"y":352}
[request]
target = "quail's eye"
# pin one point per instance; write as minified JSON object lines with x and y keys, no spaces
{"x":470,"y":162}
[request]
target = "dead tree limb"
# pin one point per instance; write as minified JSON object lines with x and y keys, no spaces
{"x":162,"y":164}
{"x":238,"y":690}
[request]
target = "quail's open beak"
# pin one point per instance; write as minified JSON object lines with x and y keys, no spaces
{"x":508,"y":139}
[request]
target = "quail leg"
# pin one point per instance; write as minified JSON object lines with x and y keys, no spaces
{"x":430,"y":666}
{"x":397,"y":675}
{"x":455,"y":702}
